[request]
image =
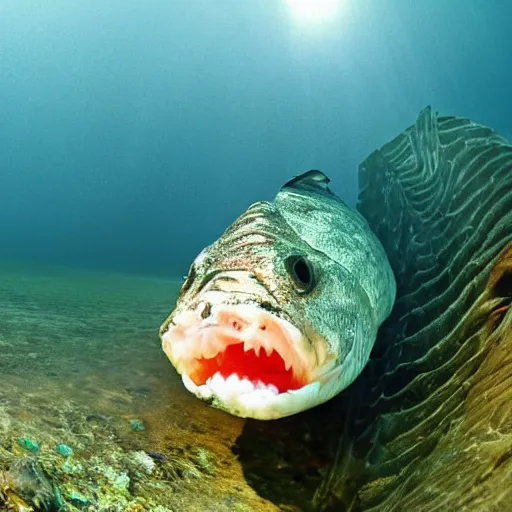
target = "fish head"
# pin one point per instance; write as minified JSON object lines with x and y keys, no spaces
{"x":266,"y":325}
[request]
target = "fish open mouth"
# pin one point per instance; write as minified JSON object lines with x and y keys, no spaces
{"x":242,"y":350}
{"x":248,"y":367}
{"x":250,"y":362}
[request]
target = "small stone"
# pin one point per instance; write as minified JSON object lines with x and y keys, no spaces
{"x":28,"y":444}
{"x":77,"y":497}
{"x":143,"y":459}
{"x":64,"y":450}
{"x":137,"y":425}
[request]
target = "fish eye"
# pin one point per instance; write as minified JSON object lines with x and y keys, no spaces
{"x":301,"y":272}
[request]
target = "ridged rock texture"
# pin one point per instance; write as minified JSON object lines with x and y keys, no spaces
{"x":429,"y":422}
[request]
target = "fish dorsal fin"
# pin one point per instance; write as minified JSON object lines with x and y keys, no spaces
{"x":313,"y":180}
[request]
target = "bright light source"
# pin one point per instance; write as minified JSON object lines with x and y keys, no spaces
{"x":314,"y":11}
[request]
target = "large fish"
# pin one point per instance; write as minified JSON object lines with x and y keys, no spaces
{"x":281,"y":312}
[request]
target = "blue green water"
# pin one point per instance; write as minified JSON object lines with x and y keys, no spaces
{"x":131,"y":134}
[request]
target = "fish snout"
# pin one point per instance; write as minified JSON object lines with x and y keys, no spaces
{"x":246,"y":358}
{"x":242,"y":339}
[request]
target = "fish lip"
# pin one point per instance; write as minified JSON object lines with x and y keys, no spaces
{"x":294,"y":348}
{"x":261,"y":405}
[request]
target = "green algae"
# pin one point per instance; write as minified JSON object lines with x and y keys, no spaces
{"x":64,"y":450}
{"x":137,"y":425}
{"x":28,"y":444}
{"x":105,"y":473}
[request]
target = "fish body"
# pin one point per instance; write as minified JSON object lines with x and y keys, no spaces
{"x":281,"y":312}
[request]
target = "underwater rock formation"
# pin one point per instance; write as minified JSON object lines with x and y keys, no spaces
{"x":429,"y":423}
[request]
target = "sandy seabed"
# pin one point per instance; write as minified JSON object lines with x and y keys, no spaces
{"x":92,"y":414}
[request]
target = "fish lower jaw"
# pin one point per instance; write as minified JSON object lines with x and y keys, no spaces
{"x":256,"y":399}
{"x":235,"y":385}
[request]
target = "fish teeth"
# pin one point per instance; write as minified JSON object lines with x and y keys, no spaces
{"x":260,"y":385}
{"x":252,"y":344}
{"x":234,"y":385}
{"x":232,"y":380}
{"x":225,"y":388}
{"x":253,"y":340}
{"x":246,"y":386}
{"x":273,"y":388}
{"x":248,"y":345}
{"x":216,"y":383}
{"x":268,"y":348}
